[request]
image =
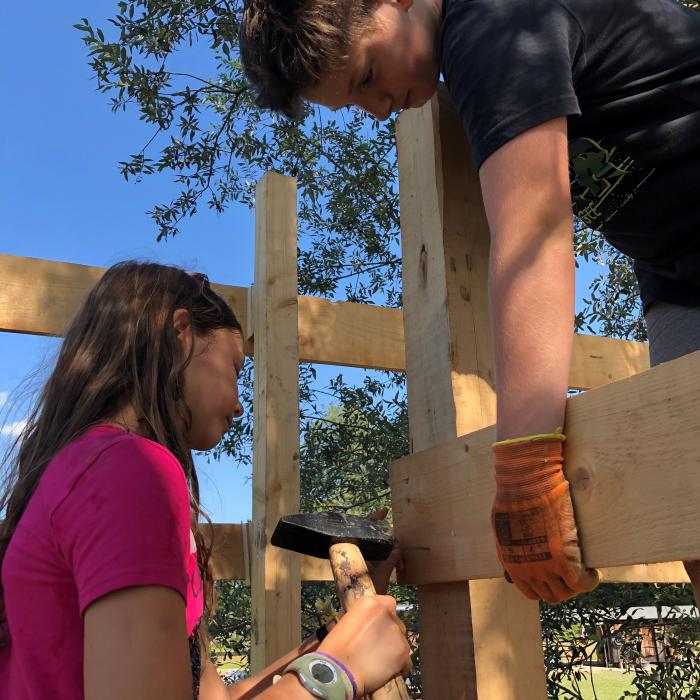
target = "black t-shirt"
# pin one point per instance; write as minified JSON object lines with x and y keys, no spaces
{"x":626,"y":74}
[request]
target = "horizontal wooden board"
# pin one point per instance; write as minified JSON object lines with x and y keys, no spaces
{"x":597,"y":361}
{"x":40,"y":297}
{"x":228,"y":562}
{"x":228,"y":558}
{"x":633,"y":460}
{"x":668,"y":572}
{"x":355,"y":335}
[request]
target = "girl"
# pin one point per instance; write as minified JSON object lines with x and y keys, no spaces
{"x":104,"y":584}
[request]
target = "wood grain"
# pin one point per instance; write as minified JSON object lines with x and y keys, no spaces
{"x":633,"y":460}
{"x":275,"y":574}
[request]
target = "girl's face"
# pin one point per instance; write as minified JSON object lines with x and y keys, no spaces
{"x":211,"y":383}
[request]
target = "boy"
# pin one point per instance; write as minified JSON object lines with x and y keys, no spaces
{"x":571,"y":106}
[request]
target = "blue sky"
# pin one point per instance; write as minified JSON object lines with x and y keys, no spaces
{"x":62,"y":197}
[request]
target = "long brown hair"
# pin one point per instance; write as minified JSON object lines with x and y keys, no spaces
{"x":121,"y":348}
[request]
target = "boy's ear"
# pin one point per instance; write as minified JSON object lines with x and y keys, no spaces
{"x":401,"y":4}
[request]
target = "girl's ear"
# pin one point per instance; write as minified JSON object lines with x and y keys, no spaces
{"x":182,"y":323}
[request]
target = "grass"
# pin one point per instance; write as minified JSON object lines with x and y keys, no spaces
{"x":610,"y":684}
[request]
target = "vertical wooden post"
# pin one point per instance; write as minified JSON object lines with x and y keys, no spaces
{"x":480,"y":639}
{"x":275,"y":578}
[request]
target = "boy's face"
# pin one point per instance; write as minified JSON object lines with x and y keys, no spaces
{"x":393,"y":66}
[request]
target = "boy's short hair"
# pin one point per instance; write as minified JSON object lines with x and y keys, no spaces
{"x":288,"y":46}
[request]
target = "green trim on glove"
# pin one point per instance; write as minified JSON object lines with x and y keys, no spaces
{"x":556,"y":435}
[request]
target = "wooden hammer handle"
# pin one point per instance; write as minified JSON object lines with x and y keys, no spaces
{"x":353,"y":582}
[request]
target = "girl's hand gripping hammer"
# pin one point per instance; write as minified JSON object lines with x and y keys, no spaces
{"x":346,"y":540}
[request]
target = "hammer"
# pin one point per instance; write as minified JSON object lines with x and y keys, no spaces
{"x":343,"y":539}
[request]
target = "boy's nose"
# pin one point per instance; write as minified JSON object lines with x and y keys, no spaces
{"x":239,"y":410}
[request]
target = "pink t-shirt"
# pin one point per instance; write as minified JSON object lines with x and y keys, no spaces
{"x":111,"y":511}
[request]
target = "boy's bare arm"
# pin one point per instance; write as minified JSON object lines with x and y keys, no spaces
{"x":526,"y":192}
{"x":525,"y":186}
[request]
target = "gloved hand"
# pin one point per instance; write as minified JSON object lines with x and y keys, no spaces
{"x":533,"y":519}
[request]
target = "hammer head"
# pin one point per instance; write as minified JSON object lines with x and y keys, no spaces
{"x":314,"y":533}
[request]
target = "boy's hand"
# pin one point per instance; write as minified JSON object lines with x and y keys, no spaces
{"x":533,"y":518}
{"x":380,"y":571}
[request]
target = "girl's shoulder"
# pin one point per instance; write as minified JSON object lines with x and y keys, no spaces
{"x":107,"y":435}
{"x":108,"y":460}
{"x":112,"y":510}
{"x":110,"y":444}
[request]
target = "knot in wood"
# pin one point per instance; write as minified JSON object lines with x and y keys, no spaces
{"x":582,"y":479}
{"x":423,"y":266}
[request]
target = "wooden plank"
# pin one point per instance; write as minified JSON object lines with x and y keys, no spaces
{"x":445,"y":611}
{"x":227,"y":557}
{"x":450,"y":391}
{"x":355,"y":335}
{"x":633,"y":460}
{"x":275,"y":576}
{"x":454,"y":641}
{"x":596,"y":361}
{"x":462,"y":547}
{"x":228,"y":562}
{"x":668,"y":572}
{"x":40,"y":297}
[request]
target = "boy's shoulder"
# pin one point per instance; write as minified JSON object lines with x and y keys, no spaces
{"x":496,"y":7}
{"x":586,"y":12}
{"x":472,"y":19}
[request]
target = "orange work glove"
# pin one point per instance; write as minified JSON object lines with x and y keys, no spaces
{"x":533,"y":519}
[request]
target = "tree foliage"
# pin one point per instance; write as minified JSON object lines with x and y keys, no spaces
{"x":215,"y":144}
{"x":575,"y":631}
